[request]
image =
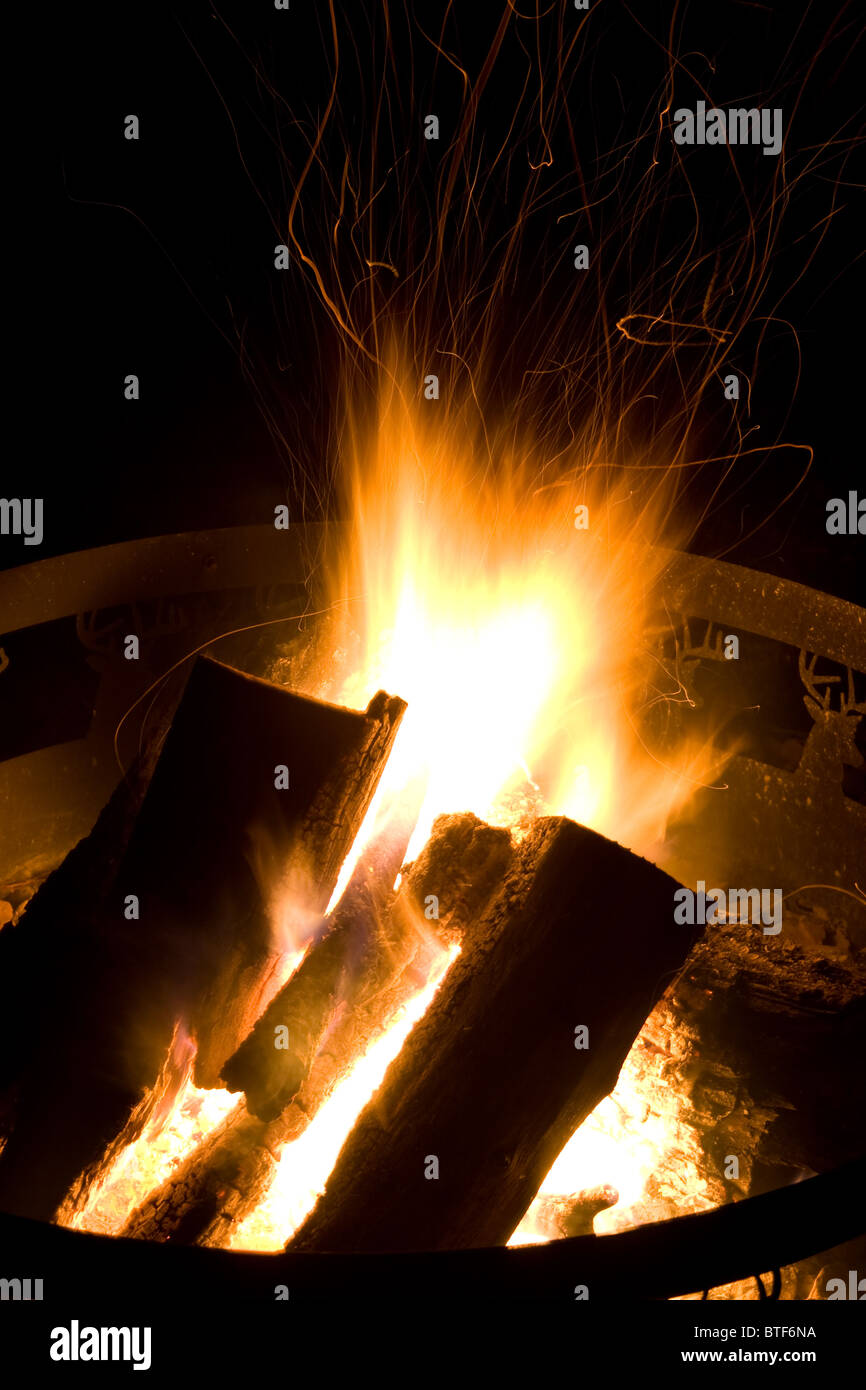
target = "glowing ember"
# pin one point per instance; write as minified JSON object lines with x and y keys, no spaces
{"x":147,"y":1162}
{"x":636,"y":1139}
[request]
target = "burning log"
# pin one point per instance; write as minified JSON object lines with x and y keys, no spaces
{"x":225,"y":1178}
{"x":332,"y":971}
{"x":761,"y":1027}
{"x":251,"y":778}
{"x":263,"y":789}
{"x":526,"y":1035}
{"x":366,"y":950}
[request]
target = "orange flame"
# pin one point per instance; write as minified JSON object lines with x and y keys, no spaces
{"x":516,"y":638}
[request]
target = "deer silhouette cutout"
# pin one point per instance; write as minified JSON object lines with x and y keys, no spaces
{"x":831,"y":741}
{"x":767,"y":827}
{"x":690,"y":654}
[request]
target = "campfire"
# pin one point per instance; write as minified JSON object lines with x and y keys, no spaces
{"x":346,"y":970}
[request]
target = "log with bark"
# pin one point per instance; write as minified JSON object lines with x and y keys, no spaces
{"x":387,"y":949}
{"x":365,"y":947}
{"x":213,"y":830}
{"x":248,"y":864}
{"x":494,"y":1079}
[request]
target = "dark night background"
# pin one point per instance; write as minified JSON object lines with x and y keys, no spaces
{"x":156,"y":257}
{"x":164,"y":248}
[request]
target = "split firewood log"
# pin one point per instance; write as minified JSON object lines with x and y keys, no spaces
{"x":524,"y":1038}
{"x":254,"y":803}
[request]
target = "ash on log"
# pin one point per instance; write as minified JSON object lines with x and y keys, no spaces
{"x":492,"y":1082}
{"x":198,"y":944}
{"x":462,"y":865}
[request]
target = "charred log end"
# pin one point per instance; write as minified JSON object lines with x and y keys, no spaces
{"x":462,"y":864}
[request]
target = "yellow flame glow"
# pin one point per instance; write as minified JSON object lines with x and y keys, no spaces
{"x":516,"y":638}
{"x":636,"y":1136}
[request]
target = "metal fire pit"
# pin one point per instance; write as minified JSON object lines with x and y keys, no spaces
{"x":793,"y":822}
